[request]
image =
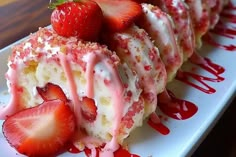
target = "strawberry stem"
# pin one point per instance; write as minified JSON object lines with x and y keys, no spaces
{"x":53,"y":5}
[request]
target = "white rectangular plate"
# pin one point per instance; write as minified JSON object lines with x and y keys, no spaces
{"x":185,"y":135}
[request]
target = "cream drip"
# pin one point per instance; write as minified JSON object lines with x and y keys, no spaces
{"x":159,"y":27}
{"x":90,"y":75}
{"x":115,"y":88}
{"x":12,"y":107}
{"x":117,"y":95}
{"x":72,"y":86}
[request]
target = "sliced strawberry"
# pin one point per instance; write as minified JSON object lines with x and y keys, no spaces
{"x":42,"y":130}
{"x":119,"y":14}
{"x":88,"y":109}
{"x":51,"y":91}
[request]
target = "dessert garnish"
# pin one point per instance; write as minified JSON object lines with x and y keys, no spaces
{"x":80,"y":18}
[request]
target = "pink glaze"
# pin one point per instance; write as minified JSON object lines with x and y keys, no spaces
{"x":200,"y":18}
{"x":159,"y":27}
{"x":134,"y":47}
{"x":180,"y":14}
{"x":72,"y":86}
{"x":90,"y":75}
{"x":118,"y":92}
{"x":117,"y":96}
{"x":13,"y":105}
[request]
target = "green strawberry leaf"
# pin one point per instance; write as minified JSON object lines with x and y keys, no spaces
{"x":53,"y":5}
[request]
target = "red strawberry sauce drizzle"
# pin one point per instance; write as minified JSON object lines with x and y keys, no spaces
{"x":229,"y":16}
{"x":159,"y":127}
{"x":176,"y":108}
{"x":181,"y":109}
{"x":205,"y":64}
{"x":209,"y":39}
{"x":121,"y":152}
{"x":223,"y":30}
{"x":172,"y":107}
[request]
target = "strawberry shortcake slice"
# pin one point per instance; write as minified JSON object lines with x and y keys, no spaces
{"x":160,"y":28}
{"x":104,"y":93}
{"x":200,"y":15}
{"x":134,"y":47}
{"x":183,"y":29}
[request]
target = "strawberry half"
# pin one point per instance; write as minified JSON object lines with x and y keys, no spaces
{"x":51,"y":91}
{"x":80,"y":18}
{"x":119,"y":14}
{"x":88,"y":109}
{"x":42,"y":130}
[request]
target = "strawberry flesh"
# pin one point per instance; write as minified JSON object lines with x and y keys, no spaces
{"x":82,"y":19}
{"x":42,"y":130}
{"x":51,"y":91}
{"x":119,"y":14}
{"x":88,"y":109}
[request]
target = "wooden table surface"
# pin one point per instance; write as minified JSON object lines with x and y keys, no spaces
{"x":19,"y":18}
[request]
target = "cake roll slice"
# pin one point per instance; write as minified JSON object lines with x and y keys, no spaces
{"x":134,"y":47}
{"x":215,"y":10}
{"x":180,"y":15}
{"x":160,"y":27}
{"x":200,"y":15}
{"x":86,"y":72}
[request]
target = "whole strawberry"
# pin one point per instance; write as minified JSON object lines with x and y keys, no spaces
{"x":80,"y":18}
